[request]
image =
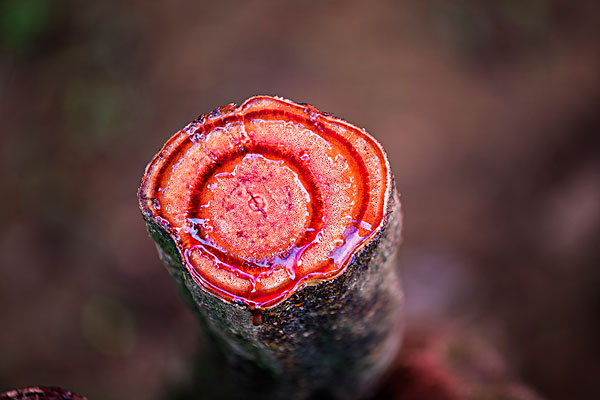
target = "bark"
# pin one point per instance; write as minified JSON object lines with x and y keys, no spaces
{"x":295,"y":324}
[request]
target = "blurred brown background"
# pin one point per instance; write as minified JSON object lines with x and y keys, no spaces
{"x":489,"y":112}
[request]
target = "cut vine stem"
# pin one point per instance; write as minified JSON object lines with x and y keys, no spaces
{"x":280,"y":225}
{"x":40,"y":393}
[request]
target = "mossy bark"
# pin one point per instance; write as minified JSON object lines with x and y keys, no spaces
{"x":333,"y":339}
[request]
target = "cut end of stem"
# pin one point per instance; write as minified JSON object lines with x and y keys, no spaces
{"x":40,"y":393}
{"x":265,"y":198}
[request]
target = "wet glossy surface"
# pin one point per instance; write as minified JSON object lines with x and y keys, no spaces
{"x":265,"y":198}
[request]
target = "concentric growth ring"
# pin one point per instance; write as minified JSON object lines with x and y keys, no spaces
{"x":255,"y":206}
{"x":265,"y":198}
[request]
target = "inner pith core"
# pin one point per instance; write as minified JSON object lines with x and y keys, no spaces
{"x":256,"y":207}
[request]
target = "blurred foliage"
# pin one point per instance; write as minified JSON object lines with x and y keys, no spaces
{"x":486,"y":32}
{"x":24,"y":23}
{"x":108,"y":326}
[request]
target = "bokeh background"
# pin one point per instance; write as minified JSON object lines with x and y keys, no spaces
{"x":489,"y":112}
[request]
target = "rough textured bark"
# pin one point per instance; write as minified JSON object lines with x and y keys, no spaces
{"x":279,"y":225}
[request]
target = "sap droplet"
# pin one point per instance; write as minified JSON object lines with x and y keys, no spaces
{"x":304,"y":156}
{"x":291,"y":272}
{"x":256,"y":318}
